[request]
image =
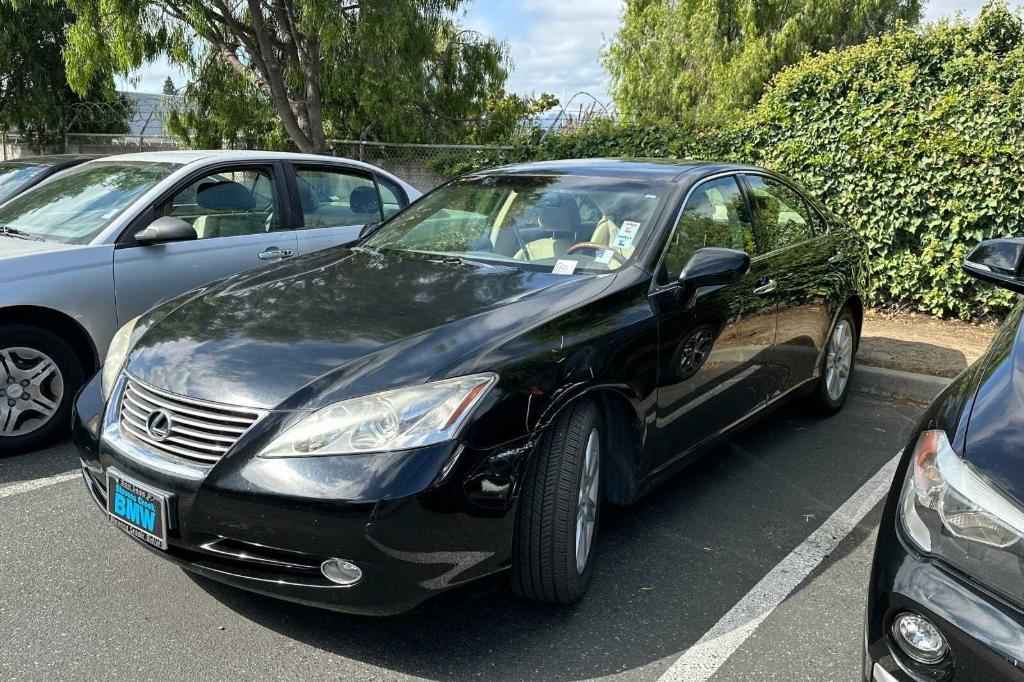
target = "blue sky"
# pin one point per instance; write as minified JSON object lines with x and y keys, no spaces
{"x":555,"y":45}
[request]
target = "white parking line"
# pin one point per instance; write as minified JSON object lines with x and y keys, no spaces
{"x":699,"y":662}
{"x":27,"y":486}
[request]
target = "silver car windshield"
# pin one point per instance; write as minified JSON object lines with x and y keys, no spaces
{"x":13,"y":175}
{"x":563,"y":224}
{"x":78,"y":204}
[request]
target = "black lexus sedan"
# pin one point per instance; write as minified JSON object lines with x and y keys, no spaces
{"x":946,"y":596}
{"x":364,"y":428}
{"x":18,"y":175}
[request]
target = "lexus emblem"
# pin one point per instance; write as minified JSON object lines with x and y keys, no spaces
{"x":159,"y":425}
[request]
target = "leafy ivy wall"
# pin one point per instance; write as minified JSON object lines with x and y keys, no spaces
{"x":915,"y":138}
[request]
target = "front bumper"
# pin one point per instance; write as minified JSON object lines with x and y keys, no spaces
{"x":417,"y":523}
{"x":984,"y":633}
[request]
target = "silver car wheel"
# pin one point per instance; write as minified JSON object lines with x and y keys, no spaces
{"x":586,"y":504}
{"x":839,"y":360}
{"x":31,"y":390}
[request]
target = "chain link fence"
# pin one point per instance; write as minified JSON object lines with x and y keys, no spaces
{"x":424,"y":166}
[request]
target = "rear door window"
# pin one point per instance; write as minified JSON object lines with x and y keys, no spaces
{"x":783,"y":216}
{"x":337,"y":197}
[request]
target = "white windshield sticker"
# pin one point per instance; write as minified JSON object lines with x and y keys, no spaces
{"x":564,"y":267}
{"x":627,"y":233}
{"x":604,"y":256}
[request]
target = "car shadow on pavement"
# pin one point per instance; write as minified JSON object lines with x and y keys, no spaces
{"x":29,"y":466}
{"x":667,"y":568}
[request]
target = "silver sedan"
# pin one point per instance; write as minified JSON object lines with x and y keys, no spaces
{"x":93,"y":247}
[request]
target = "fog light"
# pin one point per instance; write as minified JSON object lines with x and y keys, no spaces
{"x":918,"y":638}
{"x":341,"y":572}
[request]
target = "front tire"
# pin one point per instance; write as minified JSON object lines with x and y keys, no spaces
{"x":39,"y":376}
{"x":559,"y":509}
{"x":837,"y":364}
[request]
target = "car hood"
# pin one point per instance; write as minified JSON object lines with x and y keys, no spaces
{"x":21,"y":259}
{"x":994,"y":444}
{"x":341,"y":323}
{"x":12,"y":247}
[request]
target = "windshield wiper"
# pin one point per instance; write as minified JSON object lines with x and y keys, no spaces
{"x":19,"y":234}
{"x":462,"y":260}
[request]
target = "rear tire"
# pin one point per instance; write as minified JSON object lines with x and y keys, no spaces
{"x":837,"y":365}
{"x":559,"y":509}
{"x":39,"y":377}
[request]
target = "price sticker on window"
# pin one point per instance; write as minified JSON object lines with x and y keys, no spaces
{"x":564,"y":267}
{"x":627,"y":233}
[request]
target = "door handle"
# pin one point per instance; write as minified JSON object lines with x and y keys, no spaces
{"x":275,"y":253}
{"x":836,"y":258}
{"x":766,"y":288}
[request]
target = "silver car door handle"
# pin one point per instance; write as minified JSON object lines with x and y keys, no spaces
{"x":274,"y":254}
{"x":766,"y":288}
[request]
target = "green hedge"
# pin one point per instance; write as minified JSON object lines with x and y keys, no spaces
{"x":916,"y":138}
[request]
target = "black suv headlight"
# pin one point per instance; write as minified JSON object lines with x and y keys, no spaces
{"x":952,"y":512}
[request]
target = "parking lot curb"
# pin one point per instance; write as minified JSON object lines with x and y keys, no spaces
{"x":892,"y":383}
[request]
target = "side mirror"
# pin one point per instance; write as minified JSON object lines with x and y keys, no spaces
{"x":368,"y":229}
{"x":712,"y":266}
{"x":166,"y":229}
{"x":999,"y":262}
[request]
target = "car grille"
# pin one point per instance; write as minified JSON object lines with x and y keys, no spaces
{"x":199,"y":431}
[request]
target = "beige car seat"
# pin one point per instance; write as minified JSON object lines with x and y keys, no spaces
{"x":232,"y":212}
{"x":606,"y":232}
{"x":558,"y":214}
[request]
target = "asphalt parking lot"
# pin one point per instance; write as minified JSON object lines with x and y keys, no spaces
{"x":685,"y":583}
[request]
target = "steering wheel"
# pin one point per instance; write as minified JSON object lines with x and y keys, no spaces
{"x":597,"y":247}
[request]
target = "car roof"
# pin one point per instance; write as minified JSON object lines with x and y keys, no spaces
{"x":53,"y":159}
{"x":668,"y":170}
{"x":185,"y":157}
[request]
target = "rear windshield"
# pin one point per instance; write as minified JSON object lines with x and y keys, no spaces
{"x":78,"y":204}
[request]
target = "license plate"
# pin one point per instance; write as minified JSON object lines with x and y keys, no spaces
{"x":137,"y":509}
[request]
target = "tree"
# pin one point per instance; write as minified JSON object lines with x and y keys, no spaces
{"x":707,"y":59}
{"x":322,"y":65}
{"x":35,"y":98}
{"x":169,"y":88}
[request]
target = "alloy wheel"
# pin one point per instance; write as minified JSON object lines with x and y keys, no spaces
{"x":839,"y":360}
{"x":695,"y":351}
{"x":586,"y":504}
{"x":31,"y":390}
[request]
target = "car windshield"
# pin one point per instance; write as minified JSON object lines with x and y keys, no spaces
{"x":14,"y":174}
{"x":78,"y":204}
{"x":564,"y":224}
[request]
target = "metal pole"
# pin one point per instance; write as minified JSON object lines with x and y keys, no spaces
{"x":3,"y":142}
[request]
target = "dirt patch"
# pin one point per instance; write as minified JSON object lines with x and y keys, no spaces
{"x":912,"y":342}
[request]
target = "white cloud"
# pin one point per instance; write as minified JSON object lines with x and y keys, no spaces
{"x":937,"y":9}
{"x":558,"y":46}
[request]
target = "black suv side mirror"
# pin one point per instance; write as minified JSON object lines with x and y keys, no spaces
{"x":999,"y":262}
{"x":713,"y":266}
{"x":166,"y":229}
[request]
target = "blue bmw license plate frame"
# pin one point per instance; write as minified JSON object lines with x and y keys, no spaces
{"x":138,"y":509}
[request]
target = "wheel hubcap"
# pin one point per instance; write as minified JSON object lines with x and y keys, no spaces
{"x":839,"y":360}
{"x":31,"y":390}
{"x":586,"y":504}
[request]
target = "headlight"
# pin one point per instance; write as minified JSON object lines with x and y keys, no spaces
{"x":952,"y":512}
{"x":116,"y":354}
{"x":393,"y":420}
